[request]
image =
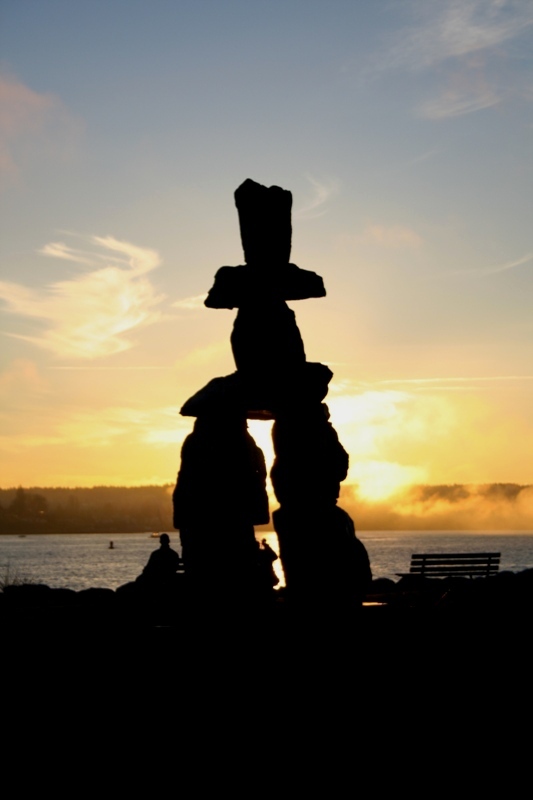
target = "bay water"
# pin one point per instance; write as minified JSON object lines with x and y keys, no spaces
{"x":84,"y":560}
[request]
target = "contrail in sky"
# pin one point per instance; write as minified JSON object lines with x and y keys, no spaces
{"x":493,"y":270}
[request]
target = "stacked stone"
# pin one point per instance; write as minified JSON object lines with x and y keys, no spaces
{"x":274,"y":380}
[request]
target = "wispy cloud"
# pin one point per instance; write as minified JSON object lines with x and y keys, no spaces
{"x":163,"y":426}
{"x":389,"y":236}
{"x":454,"y":102}
{"x":22,"y":375}
{"x":444,"y":382}
{"x":190,"y":303}
{"x":394,"y":391}
{"x":88,"y":315}
{"x":322,"y":191}
{"x":205,"y":355}
{"x":27,"y":441}
{"x":139,"y":259}
{"x":481,"y":271}
{"x":114,"y":368}
{"x":448,"y":29}
{"x":39,"y":120}
{"x":429,"y":154}
{"x":63,"y":251}
{"x":467,"y":40}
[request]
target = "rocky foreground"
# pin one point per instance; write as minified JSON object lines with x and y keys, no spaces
{"x":429,"y":654}
{"x":411,"y":601}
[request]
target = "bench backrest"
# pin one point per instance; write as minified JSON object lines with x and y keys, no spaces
{"x":435,"y":565}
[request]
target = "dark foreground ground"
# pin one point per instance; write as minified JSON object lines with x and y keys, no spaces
{"x":441,"y":665}
{"x":417,"y":611}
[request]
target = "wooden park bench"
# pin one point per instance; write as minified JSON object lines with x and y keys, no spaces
{"x":441,"y":565}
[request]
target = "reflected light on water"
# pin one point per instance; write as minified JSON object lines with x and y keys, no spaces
{"x":81,"y":561}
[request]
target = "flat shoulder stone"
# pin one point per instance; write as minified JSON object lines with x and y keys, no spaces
{"x":236,"y":286}
{"x":219,"y":395}
{"x":263,"y":398}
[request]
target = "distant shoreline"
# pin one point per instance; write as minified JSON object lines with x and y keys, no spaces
{"x":36,"y":530}
{"x":119,"y":509}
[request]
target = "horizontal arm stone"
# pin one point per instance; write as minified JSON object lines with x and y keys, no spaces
{"x":238,"y":286}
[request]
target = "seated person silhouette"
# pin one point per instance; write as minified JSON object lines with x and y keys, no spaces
{"x":162,"y":565}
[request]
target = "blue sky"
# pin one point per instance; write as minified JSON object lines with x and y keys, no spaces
{"x":404,"y":131}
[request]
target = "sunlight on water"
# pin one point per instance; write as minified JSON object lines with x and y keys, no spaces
{"x":82,"y":561}
{"x":390,"y":551}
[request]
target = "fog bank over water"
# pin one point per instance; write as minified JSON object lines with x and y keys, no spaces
{"x":457,"y":507}
{"x":493,"y":506}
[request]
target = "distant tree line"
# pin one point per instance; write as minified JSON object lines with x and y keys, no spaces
{"x":112,"y":509}
{"x":115,"y":509}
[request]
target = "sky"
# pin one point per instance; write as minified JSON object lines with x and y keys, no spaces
{"x":403,"y":129}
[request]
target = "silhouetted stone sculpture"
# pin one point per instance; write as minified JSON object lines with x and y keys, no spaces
{"x":220,"y":493}
{"x":265,"y":223}
{"x":325,"y":564}
{"x":310,"y":461}
{"x":234,"y":287}
{"x":295,"y":389}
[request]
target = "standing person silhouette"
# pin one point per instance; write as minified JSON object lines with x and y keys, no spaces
{"x":267,"y":556}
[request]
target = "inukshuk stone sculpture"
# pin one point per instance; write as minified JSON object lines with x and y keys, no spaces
{"x":321,"y":556}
